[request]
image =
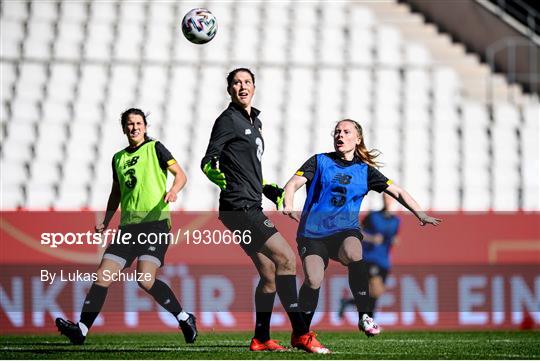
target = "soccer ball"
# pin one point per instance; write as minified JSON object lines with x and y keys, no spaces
{"x":199,"y":26}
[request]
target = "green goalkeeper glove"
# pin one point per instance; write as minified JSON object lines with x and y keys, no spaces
{"x":274,"y":193}
{"x":211,"y":170}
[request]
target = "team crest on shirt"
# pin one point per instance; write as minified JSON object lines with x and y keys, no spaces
{"x":268,"y":223}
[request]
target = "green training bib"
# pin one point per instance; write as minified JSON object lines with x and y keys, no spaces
{"x":143,"y":185}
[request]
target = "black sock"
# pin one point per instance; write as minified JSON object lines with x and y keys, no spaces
{"x":359,"y":283}
{"x":286,"y":289}
{"x":95,"y":298}
{"x":372,"y":303}
{"x":308,"y":299}
{"x":264,"y":303}
{"x":163,"y":295}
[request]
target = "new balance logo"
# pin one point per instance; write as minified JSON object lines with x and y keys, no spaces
{"x":131,"y":162}
{"x":247,"y":132}
{"x":342,"y":178}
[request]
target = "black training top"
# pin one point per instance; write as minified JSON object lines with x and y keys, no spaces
{"x":237,"y":142}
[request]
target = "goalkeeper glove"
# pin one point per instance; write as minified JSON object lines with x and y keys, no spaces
{"x":274,"y":193}
{"x":211,"y":170}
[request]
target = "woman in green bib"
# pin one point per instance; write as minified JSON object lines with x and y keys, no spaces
{"x":140,"y":188}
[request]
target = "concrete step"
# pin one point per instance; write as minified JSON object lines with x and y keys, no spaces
{"x":477,"y":79}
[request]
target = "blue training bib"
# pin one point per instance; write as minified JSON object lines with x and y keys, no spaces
{"x":334,"y":198}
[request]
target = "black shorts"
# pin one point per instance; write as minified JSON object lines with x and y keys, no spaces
{"x":140,"y":247}
{"x":325,"y":247}
{"x":252,"y":220}
{"x":375,"y":270}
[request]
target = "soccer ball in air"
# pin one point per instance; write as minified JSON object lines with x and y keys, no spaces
{"x":199,"y":26}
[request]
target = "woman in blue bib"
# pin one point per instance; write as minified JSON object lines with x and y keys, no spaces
{"x":336,"y":184}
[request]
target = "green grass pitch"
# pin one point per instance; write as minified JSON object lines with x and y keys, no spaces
{"x":344,"y":345}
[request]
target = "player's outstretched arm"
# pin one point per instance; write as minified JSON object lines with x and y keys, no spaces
{"x":180,"y":181}
{"x":294,"y":184}
{"x":112,"y":206}
{"x":403,"y":197}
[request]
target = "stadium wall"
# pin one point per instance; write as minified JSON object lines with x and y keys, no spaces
{"x":474,"y":271}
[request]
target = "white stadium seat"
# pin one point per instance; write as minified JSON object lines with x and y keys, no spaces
{"x":44,"y":173}
{"x":40,"y":39}
{"x":23,"y":132}
{"x":388,"y":40}
{"x":11,"y":35}
{"x":68,"y":44}
{"x":158,"y":43}
{"x":416,"y":54}
{"x":31,"y":83}
{"x":128,"y":45}
{"x":7,"y":72}
{"x":530,"y":156}
{"x":71,"y":196}
{"x":39,"y":196}
{"x":14,"y":150}
{"x":62,"y":82}
{"x":74,"y":11}
{"x":387,"y":88}
{"x":44,"y":10}
{"x":362,"y":45}
{"x":132,"y":11}
{"x":13,"y":174}
{"x":303,"y":45}
{"x":531,"y":113}
{"x":70,"y":68}
{"x":12,"y":197}
{"x":162,"y":12}
{"x":417,"y":87}
{"x":506,"y":114}
{"x":99,"y":40}
{"x":105,"y":11}
{"x":446,"y":86}
{"x":15,"y":10}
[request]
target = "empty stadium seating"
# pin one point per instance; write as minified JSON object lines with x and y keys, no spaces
{"x":68,"y":69}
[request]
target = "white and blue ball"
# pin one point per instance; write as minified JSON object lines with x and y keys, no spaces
{"x":199,"y":26}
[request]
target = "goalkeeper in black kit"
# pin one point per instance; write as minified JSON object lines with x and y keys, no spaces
{"x":233,"y":162}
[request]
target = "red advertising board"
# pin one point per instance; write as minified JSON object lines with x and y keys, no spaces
{"x":474,"y":270}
